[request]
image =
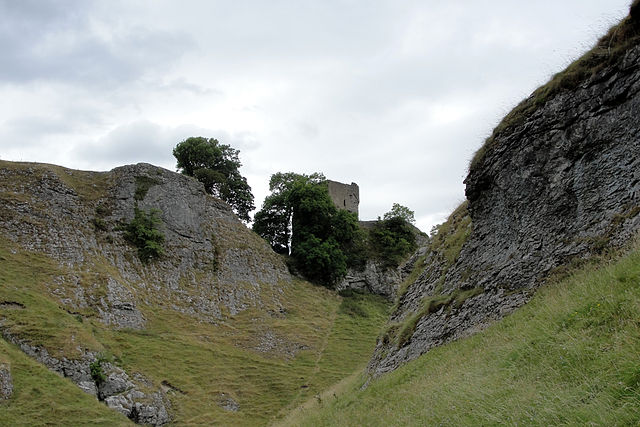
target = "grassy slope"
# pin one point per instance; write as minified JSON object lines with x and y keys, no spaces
{"x":570,"y":357}
{"x":41,"y":397}
{"x":206,"y":362}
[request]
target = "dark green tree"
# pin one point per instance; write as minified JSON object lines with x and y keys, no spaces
{"x":144,"y":232}
{"x":273,"y":222}
{"x":217,"y":166}
{"x":393,"y":238}
{"x":300,"y":210}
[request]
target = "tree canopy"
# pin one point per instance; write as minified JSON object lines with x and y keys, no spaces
{"x":299,"y":210}
{"x":273,"y":222}
{"x":399,"y":211}
{"x":299,"y":217}
{"x":392,"y":238}
{"x":217,"y":166}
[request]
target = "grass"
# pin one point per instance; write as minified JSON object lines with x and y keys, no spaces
{"x":452,"y":234}
{"x":446,"y":244}
{"x":319,"y":338}
{"x":41,"y":397}
{"x":399,"y":333}
{"x":569,"y":357}
{"x":90,"y":186}
{"x":23,"y":280}
{"x":607,"y":51}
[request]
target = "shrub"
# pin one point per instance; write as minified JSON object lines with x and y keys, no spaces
{"x":392,"y":240}
{"x":143,"y":232}
{"x":97,"y":374}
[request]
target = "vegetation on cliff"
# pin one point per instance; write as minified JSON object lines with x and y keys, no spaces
{"x":391,"y":239}
{"x":246,"y":370}
{"x":607,"y":51}
{"x":217,"y":166}
{"x":569,"y":357}
{"x":143,"y":232}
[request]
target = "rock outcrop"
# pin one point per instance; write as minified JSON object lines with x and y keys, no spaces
{"x":6,"y":382}
{"x":374,"y":278}
{"x":213,"y":266}
{"x":560,"y":184}
{"x":101,"y":379}
{"x":378,"y":278}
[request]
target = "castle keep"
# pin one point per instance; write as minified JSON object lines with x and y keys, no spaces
{"x":345,"y":196}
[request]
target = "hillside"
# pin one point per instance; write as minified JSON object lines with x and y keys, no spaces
{"x":214,"y":331}
{"x":557,"y":183}
{"x":571,"y":356}
{"x":133,"y":295}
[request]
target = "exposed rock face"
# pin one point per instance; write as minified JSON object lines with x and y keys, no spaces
{"x":377,"y":279}
{"x":6,"y":382}
{"x":117,"y":390}
{"x":227,"y":403}
{"x":374,"y":278}
{"x":213,"y":266}
{"x":562,"y":185}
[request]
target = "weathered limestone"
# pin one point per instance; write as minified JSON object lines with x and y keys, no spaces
{"x":6,"y":382}
{"x":212,"y":267}
{"x":117,"y":390}
{"x":561,"y":185}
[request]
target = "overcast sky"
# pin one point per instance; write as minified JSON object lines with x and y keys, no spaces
{"x":393,"y":95}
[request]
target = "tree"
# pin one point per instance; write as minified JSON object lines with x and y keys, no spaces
{"x":322,"y":233}
{"x":399,"y":211}
{"x":391,"y":239}
{"x":299,"y":210}
{"x":273,"y":222}
{"x":217,"y":166}
{"x":144,"y":232}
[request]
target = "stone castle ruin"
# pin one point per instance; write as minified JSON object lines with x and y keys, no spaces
{"x":345,"y":196}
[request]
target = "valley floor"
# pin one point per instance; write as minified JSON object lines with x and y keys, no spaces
{"x":569,"y":357}
{"x":249,"y":369}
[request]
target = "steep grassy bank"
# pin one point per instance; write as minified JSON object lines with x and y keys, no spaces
{"x":40,"y":397}
{"x":243,"y":371}
{"x":569,"y":357}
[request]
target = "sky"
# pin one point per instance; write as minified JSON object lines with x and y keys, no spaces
{"x":395,"y":95}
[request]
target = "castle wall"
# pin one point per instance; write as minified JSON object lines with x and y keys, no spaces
{"x":345,"y":196}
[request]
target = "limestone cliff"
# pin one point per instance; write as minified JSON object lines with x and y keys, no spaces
{"x":213,"y":267}
{"x":558,"y":180}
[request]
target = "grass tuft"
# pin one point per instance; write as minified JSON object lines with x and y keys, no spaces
{"x":607,"y":51}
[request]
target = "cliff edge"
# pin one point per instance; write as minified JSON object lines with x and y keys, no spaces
{"x":559,"y":180}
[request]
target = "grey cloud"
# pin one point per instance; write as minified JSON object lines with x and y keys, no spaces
{"x":55,"y":41}
{"x":36,"y":126}
{"x":31,"y":137}
{"x":145,"y":141}
{"x":140,"y":141}
{"x":185,"y":86}
{"x":347,"y":88}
